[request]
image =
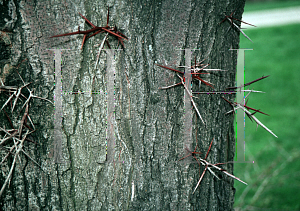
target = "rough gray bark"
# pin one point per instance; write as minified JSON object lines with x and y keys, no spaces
{"x":148,"y":127}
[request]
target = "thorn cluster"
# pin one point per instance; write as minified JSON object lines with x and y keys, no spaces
{"x":96,"y":30}
{"x":246,"y":108}
{"x":13,"y":139}
{"x":230,"y":19}
{"x":195,"y":72}
{"x":208,"y":166}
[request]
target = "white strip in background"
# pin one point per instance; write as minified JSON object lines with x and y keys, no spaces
{"x":274,"y":17}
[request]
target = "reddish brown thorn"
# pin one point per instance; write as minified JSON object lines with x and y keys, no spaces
{"x":227,"y":101}
{"x":191,"y":154}
{"x":194,"y":76}
{"x":203,"y":81}
{"x":185,"y":157}
{"x":255,"y":110}
{"x":121,"y":41}
{"x":113,"y":33}
{"x":251,"y":82}
{"x":108,"y":44}
{"x":28,"y":126}
{"x":208,"y":149}
{"x":67,"y":34}
{"x":246,"y":101}
{"x":84,"y":37}
{"x":87,"y":20}
{"x":194,"y":152}
{"x":169,"y":68}
{"x":122,"y":35}
{"x":233,"y":87}
{"x":97,"y":32}
{"x":230,"y":16}
{"x":223,"y":20}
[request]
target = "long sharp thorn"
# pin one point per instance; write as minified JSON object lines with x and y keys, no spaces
{"x":84,"y":37}
{"x":31,"y":122}
{"x":248,"y":94}
{"x":108,"y":45}
{"x":232,"y":13}
{"x":42,"y":99}
{"x":17,"y":95}
{"x":213,"y":173}
{"x":184,"y":157}
{"x":243,"y":33}
{"x":234,"y":177}
{"x":198,"y":111}
{"x":208,"y":149}
{"x":122,"y":42}
{"x":243,"y":22}
{"x":97,"y":32}
{"x":205,"y":82}
{"x":67,"y":34}
{"x":225,"y":172}
{"x":192,"y":100}
{"x":253,"y":113}
{"x":113,"y":33}
{"x":9,"y":176}
{"x":7,"y":101}
{"x":251,"y":82}
{"x":169,"y":68}
{"x":23,"y":120}
{"x":257,"y":121}
{"x":199,"y":73}
{"x":26,"y":102}
{"x":200,"y":179}
{"x":250,"y":117}
{"x":100,"y":48}
{"x":123,"y":35}
{"x":33,"y":160}
{"x":238,"y":28}
{"x":107,"y":17}
{"x":87,"y":20}
{"x":12,"y":165}
{"x":167,"y":87}
{"x":255,"y":110}
{"x":234,"y":87}
{"x":246,"y":102}
{"x":227,"y":101}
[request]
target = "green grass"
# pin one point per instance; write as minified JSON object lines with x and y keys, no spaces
{"x":256,"y":6}
{"x":273,"y":179}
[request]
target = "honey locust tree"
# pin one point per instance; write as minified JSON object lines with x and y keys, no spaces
{"x":145,"y":128}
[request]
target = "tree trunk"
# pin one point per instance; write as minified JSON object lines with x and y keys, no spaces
{"x":141,"y":169}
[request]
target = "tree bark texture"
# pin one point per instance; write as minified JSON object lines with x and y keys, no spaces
{"x":148,"y":123}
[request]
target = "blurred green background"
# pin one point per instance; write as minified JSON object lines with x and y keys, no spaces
{"x":274,"y":178}
{"x":257,"y":5}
